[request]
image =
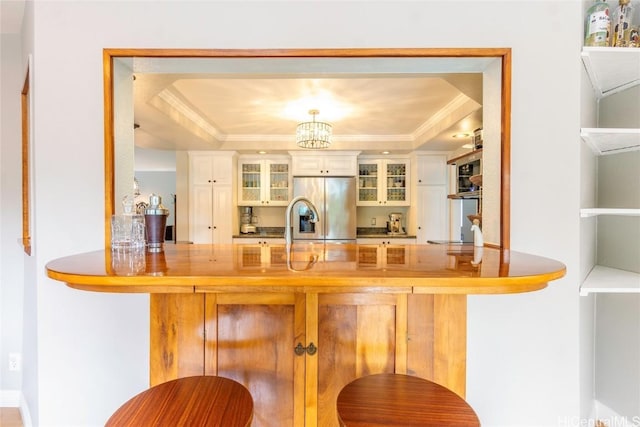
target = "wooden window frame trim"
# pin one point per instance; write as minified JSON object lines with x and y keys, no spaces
{"x":504,"y":54}
{"x":26,"y":164}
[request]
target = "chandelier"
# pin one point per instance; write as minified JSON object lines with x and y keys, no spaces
{"x":313,"y":134}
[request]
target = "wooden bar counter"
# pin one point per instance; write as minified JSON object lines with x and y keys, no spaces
{"x":296,"y":324}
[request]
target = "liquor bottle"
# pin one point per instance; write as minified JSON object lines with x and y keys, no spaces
{"x":597,"y":25}
{"x":621,"y":24}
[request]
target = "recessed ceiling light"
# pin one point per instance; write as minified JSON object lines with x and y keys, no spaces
{"x":462,"y":135}
{"x":262,"y":152}
{"x":385,"y":152}
{"x":468,"y":146}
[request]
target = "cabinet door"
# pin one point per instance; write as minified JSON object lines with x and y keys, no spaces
{"x":201,"y":214}
{"x":325,"y":165}
{"x":431,"y":212}
{"x":222,"y":166}
{"x":349,"y":347}
{"x":340,"y":165}
{"x":210,"y":169}
{"x":251,"y":338}
{"x":396,"y":183}
{"x":383,"y":182}
{"x":259,"y":240}
{"x":200,"y":169}
{"x":431,"y":170}
{"x":278,"y":190}
{"x":176,"y":336}
{"x":221,"y":212}
{"x":251,"y":183}
{"x":307,"y":165}
{"x":369,"y":191}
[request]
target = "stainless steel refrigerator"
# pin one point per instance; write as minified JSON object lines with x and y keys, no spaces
{"x":335,"y":199}
{"x":460,"y":223}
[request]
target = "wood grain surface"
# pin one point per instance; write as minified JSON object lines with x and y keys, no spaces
{"x":192,"y":401}
{"x":402,"y":400}
{"x":315,"y":267}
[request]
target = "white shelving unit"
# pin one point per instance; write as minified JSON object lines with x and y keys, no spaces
{"x":611,"y":70}
{"x":588,"y":212}
{"x":610,"y":280}
{"x":611,"y":141}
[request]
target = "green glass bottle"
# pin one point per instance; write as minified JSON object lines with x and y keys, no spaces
{"x":597,"y":25}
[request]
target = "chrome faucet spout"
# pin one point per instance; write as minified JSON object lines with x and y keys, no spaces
{"x":310,"y":205}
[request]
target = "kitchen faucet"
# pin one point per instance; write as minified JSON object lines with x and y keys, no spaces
{"x":287,"y":229}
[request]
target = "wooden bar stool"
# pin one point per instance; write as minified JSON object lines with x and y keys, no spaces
{"x":401,"y":400}
{"x":191,"y":401}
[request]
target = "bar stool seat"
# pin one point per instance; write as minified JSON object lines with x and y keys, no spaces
{"x":401,"y":400}
{"x":191,"y":401}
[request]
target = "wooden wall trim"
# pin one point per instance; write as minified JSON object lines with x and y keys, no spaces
{"x":504,"y":53}
{"x":26,"y":164}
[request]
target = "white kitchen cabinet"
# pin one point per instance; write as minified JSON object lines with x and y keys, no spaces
{"x":325,"y":163}
{"x":210,"y":168}
{"x":432,"y":204}
{"x":259,"y":240}
{"x":384,"y":182}
{"x":211,"y":197}
{"x":264,"y":182}
{"x":431,"y":213}
{"x":386,"y":241}
{"x":431,"y":169}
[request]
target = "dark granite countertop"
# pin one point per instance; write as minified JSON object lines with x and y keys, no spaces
{"x":362,"y":232}
{"x":263,"y":232}
{"x":378,"y":232}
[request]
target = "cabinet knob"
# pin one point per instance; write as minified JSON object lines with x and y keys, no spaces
{"x":310,"y":350}
{"x":209,"y":227}
{"x":209,"y":181}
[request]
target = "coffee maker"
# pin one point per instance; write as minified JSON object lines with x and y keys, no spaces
{"x":394,"y":225}
{"x":247,"y":220}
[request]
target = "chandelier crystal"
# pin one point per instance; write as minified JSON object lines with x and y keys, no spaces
{"x":313,"y":134}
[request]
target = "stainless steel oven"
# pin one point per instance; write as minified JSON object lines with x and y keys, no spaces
{"x":466,"y":168}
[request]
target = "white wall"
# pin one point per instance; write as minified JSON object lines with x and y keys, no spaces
{"x":13,"y":75}
{"x":92,"y":349}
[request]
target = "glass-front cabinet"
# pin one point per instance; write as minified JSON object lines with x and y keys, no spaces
{"x":264,"y":182}
{"x":383,"y":182}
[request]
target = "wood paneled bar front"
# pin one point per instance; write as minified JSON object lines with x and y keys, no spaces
{"x":296,"y":323}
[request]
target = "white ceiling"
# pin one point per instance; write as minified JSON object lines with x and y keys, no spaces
{"x":369,"y":112}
